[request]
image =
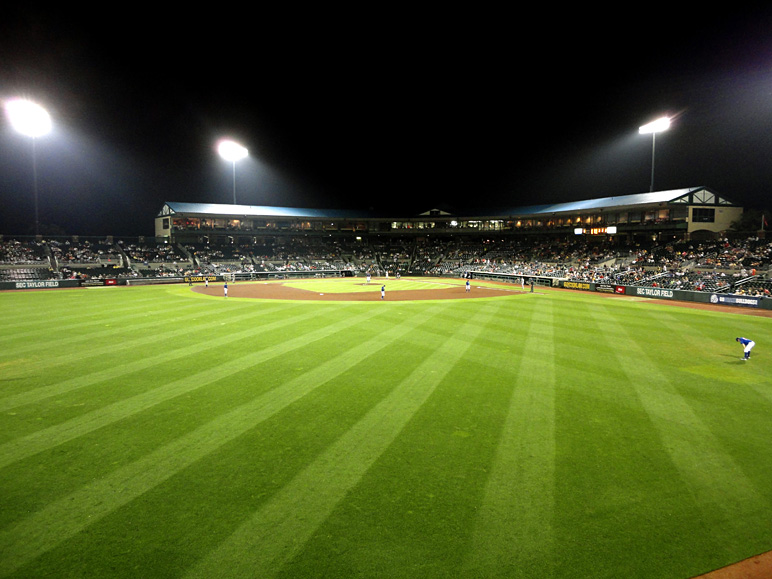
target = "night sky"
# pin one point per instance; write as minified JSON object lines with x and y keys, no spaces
{"x":388,"y":108}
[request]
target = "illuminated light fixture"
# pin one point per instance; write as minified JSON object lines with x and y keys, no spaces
{"x":662,"y":124}
{"x":28,"y":118}
{"x":578,"y":230}
{"x":232,"y":151}
{"x":31,"y":120}
{"x":654,"y":127}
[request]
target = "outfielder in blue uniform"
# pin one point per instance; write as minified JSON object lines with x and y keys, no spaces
{"x":747,"y":347}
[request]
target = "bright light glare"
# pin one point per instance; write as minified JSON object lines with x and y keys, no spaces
{"x":657,"y":126}
{"x":231,"y":151}
{"x":28,"y":118}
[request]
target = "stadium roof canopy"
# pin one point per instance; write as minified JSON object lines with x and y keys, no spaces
{"x":689,"y":196}
{"x":228,"y":210}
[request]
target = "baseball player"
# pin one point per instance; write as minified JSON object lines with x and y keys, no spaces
{"x":747,"y":347}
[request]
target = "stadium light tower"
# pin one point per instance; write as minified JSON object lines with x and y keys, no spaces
{"x":31,"y":120}
{"x":654,"y":127}
{"x":232,"y":151}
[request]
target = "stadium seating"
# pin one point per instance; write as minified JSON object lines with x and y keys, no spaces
{"x":741,"y":265}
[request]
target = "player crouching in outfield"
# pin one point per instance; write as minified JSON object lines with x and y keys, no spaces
{"x":747,"y":346}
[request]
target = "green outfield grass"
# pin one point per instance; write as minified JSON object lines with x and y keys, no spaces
{"x":156,"y":432}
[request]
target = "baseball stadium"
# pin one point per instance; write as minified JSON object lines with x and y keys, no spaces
{"x":551,"y":391}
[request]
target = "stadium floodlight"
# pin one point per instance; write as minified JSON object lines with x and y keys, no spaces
{"x":28,"y":118}
{"x":31,"y":120}
{"x":654,"y":127}
{"x":232,"y":151}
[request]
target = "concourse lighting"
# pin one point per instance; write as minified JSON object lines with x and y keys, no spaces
{"x":31,"y":120}
{"x":654,"y":127}
{"x":232,"y":151}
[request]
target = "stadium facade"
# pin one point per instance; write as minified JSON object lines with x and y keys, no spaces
{"x":680,"y":214}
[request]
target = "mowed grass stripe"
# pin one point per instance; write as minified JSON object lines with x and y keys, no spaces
{"x":706,"y":468}
{"x":31,"y":444}
{"x":87,"y":314}
{"x":513,"y":532}
{"x":87,"y":330}
{"x":120,"y":369}
{"x":64,"y":307}
{"x":64,"y":518}
{"x":123,"y":337}
{"x":278,"y":531}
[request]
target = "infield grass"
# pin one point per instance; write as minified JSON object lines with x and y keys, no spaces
{"x":358,"y":284}
{"x":156,"y":432}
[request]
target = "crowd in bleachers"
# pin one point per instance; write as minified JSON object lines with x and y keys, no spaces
{"x":290,"y":254}
{"x":22,"y":260}
{"x":15,"y":252}
{"x":84,"y":252}
{"x":147,"y":253}
{"x":741,"y":266}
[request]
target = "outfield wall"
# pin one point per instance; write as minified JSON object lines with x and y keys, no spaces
{"x":675,"y":295}
{"x":639,"y":291}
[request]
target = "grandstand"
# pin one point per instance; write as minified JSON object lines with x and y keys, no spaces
{"x":671,"y":239}
{"x":681,"y":214}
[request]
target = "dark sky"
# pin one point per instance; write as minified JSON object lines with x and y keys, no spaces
{"x":388,"y":108}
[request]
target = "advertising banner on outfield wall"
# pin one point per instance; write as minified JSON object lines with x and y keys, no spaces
{"x":732,"y":300}
{"x":39,"y":284}
{"x":654,"y":292}
{"x":578,"y":285}
{"x":201,"y":278}
{"x":662,"y":293}
{"x":608,"y":288}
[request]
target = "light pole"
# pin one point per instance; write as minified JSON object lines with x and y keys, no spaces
{"x":232,"y":151}
{"x":31,"y":120}
{"x":654,"y":127}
